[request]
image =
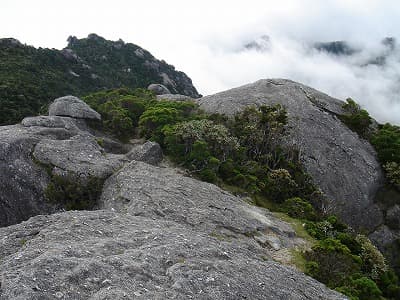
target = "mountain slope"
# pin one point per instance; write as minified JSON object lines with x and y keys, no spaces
{"x":342,"y":164}
{"x":29,"y":77}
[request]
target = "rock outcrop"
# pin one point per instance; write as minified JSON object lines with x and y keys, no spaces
{"x":64,"y":144}
{"x":109,"y":255}
{"x":342,"y":164}
{"x":72,"y":107}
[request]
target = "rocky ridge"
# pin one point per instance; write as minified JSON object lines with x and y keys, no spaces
{"x":158,"y":234}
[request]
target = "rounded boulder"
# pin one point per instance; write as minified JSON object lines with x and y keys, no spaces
{"x":70,"y":106}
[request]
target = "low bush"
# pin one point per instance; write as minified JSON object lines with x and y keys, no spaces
{"x":356,"y":119}
{"x":72,"y":194}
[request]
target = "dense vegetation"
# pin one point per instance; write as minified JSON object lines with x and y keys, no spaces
{"x":73,"y":194}
{"x":356,"y":119}
{"x":387,"y":144}
{"x":245,"y":155}
{"x":385,"y":139}
{"x":30,"y":78}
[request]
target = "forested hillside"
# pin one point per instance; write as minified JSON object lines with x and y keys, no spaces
{"x":30,"y":77}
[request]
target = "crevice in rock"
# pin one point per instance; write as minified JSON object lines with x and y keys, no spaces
{"x":275,"y":83}
{"x":318,"y":104}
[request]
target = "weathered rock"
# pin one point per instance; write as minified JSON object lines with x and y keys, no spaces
{"x":80,"y":155}
{"x":174,"y":97}
{"x":144,"y":190}
{"x":342,"y":164}
{"x":70,"y":106}
{"x":55,"y":122}
{"x":22,"y":182}
{"x":63,"y":143}
{"x":158,"y":89}
{"x":149,"y":152}
{"x":104,"y":255}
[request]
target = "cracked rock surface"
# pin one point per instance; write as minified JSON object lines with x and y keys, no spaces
{"x":109,"y":255}
{"x":342,"y":164}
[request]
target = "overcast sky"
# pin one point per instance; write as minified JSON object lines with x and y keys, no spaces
{"x":205,"y":39}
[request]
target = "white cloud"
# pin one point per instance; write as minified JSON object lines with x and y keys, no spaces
{"x":202,"y":38}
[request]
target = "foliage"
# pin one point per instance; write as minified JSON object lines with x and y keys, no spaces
{"x":387,"y":143}
{"x":164,"y":113}
{"x":333,"y":262}
{"x":392,"y":170}
{"x":280,"y":185}
{"x":361,"y":288}
{"x":299,"y":208}
{"x":349,"y":263}
{"x":259,"y":131}
{"x":120,"y":109}
{"x":356,"y":119}
{"x":73,"y":194}
{"x":217,"y":137}
{"x":374,"y":264}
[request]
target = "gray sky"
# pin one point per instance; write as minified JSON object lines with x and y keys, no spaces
{"x":205,"y":38}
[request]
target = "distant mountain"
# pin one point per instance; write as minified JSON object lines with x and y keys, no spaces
{"x":377,"y":57}
{"x":261,"y":44}
{"x":336,"y":48}
{"x":30,"y":77}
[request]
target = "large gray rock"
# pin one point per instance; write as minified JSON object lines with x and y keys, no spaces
{"x":80,"y":155}
{"x":149,"y":152}
{"x":143,"y":190}
{"x":22,"y":182}
{"x":158,"y":89}
{"x":107,"y":255}
{"x":342,"y":164}
{"x":64,"y":144}
{"x":70,"y":106}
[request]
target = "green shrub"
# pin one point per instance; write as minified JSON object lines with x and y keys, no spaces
{"x":366,"y":289}
{"x":208,"y":175}
{"x":356,"y":119}
{"x":120,"y":109}
{"x":163,"y":114}
{"x":72,"y":194}
{"x":280,"y":186}
{"x":259,"y":131}
{"x":392,"y":170}
{"x":312,"y":268}
{"x":335,"y":262}
{"x":374,"y":264}
{"x":388,"y":284}
{"x":387,"y":143}
{"x":220,"y":142}
{"x":299,"y":208}
{"x":350,"y":242}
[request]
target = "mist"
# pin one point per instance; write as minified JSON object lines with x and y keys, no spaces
{"x":374,"y":86}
